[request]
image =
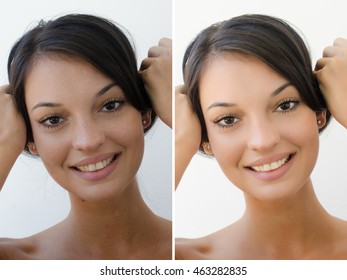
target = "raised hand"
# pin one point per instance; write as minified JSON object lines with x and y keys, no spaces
{"x":12,"y":134}
{"x":156,"y":71}
{"x":331,"y":72}
{"x":187,"y":133}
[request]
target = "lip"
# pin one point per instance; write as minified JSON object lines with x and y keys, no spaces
{"x":93,"y":160}
{"x":273,"y":174}
{"x":268,"y":160}
{"x":96,"y":175}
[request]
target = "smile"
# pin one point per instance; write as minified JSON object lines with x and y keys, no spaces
{"x":271,"y":166}
{"x":96,"y":166}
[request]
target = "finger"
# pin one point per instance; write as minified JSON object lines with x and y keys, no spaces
{"x":332,"y":51}
{"x":321,"y":63}
{"x":146,"y":63}
{"x":340,"y":42}
{"x":156,"y":51}
{"x":165,"y":42}
{"x":181,"y":89}
{"x":5,"y":89}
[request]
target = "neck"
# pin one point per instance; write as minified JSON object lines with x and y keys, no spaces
{"x":291,"y":227}
{"x":111,"y":229}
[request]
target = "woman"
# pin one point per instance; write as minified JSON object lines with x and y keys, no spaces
{"x":81,"y":105}
{"x":258,"y":109}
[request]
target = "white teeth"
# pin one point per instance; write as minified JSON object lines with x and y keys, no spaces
{"x":97,"y":166}
{"x":267,"y":167}
{"x":271,"y":166}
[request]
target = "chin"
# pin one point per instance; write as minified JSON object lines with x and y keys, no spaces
{"x":274,"y":192}
{"x":101,"y":192}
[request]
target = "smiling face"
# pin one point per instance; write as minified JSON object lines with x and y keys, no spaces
{"x":263,"y":136}
{"x":88,"y":136}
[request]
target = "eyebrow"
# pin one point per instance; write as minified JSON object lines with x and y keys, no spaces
{"x":105,"y":89}
{"x":280,"y":89}
{"x":226,"y":104}
{"x":53,"y":105}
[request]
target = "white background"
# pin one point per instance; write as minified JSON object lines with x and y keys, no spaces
{"x":30,"y":201}
{"x":178,"y":270}
{"x":205,"y":200}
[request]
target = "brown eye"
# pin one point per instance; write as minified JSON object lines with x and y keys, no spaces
{"x":112,"y":106}
{"x":287,"y":106}
{"x":226,"y":121}
{"x":51,"y":121}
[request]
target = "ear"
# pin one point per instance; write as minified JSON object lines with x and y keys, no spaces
{"x":321,"y":119}
{"x":146,"y":119}
{"x":207,"y":148}
{"x":32,"y":148}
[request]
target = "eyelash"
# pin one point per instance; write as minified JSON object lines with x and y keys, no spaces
{"x":121,"y":103}
{"x":43,"y":121}
{"x":219,"y":119}
{"x":296,"y":103}
{"x":225,"y":117}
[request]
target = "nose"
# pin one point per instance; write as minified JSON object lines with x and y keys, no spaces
{"x":263,"y":135}
{"x":87,"y":136}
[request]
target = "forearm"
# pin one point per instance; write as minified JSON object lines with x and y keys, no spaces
{"x":12,"y":134}
{"x":8,"y":158}
{"x":183,"y":156}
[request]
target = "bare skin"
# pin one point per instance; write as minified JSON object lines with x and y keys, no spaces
{"x":102,"y":224}
{"x":185,"y":147}
{"x":156,"y":71}
{"x":10,"y":149}
{"x":103,"y":234}
{"x":271,"y":235}
{"x":331,"y":71}
{"x":293,"y":226}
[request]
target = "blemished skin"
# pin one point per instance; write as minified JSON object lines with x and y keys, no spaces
{"x":80,"y":123}
{"x":91,"y":141}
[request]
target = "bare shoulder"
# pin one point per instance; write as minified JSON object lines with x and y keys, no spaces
{"x":162,"y":245}
{"x":15,"y":249}
{"x":219,"y":245}
{"x":192,"y":249}
{"x":339,"y":250}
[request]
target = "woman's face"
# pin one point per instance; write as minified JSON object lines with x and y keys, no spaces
{"x":88,"y":136}
{"x":262,"y":135}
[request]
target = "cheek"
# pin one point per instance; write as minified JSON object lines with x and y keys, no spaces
{"x":296,"y":134}
{"x":227,"y":147}
{"x":49,"y":145}
{"x":131,"y":139}
{"x":302,"y":129}
{"x":129,"y":135}
{"x":124,"y":132}
{"x":53,"y":150}
{"x":304,"y":135}
{"x":127,"y":131}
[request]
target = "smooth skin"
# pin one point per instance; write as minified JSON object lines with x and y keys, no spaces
{"x":103,"y":222}
{"x":248,"y":126}
{"x":187,"y":133}
{"x":10,"y":146}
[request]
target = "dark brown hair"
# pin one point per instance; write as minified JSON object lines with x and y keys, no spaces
{"x":267,"y":38}
{"x":96,"y":40}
